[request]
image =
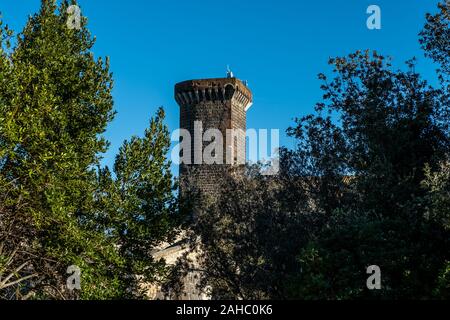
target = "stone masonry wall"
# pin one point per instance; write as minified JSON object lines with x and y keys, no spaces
{"x":218,"y":104}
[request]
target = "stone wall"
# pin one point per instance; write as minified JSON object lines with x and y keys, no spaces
{"x":171,"y":254}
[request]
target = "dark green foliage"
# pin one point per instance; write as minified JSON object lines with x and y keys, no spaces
{"x":367,"y":184}
{"x":144,"y":211}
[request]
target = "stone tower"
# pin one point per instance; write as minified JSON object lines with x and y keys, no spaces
{"x":219,"y":104}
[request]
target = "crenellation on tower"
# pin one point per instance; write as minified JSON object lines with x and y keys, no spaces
{"x":219,"y":89}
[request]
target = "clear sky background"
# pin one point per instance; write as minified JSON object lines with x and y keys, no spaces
{"x":278,"y":46}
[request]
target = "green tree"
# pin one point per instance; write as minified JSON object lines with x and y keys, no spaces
{"x":59,"y":104}
{"x":435,"y":37}
{"x":438,"y":211}
{"x":392,"y":134}
{"x":365,"y":185}
{"x":243,"y":238}
{"x":58,"y":206}
{"x":142,"y":210}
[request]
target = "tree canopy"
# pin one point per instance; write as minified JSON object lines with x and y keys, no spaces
{"x":59,"y":207}
{"x":366,"y":184}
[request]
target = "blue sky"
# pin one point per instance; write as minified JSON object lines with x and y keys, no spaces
{"x":278,"y":46}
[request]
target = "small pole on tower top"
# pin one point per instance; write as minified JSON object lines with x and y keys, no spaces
{"x":229,"y":72}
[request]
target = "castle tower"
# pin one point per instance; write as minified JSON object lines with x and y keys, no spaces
{"x":219,"y":104}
